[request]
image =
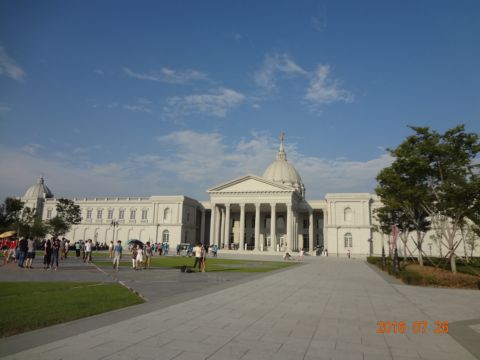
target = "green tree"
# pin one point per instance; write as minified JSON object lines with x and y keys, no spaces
{"x":434,"y":177}
{"x":68,"y":214}
{"x":401,"y":188}
{"x":10,"y":212}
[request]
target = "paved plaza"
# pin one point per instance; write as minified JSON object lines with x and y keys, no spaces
{"x":325,"y":308}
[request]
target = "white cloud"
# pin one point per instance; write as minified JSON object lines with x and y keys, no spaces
{"x":324,"y":90}
{"x":141,"y":105}
{"x":187,"y":162}
{"x":9,"y":67}
{"x":137,"y":108}
{"x":217,"y":104}
{"x":32,"y":149}
{"x":99,"y":71}
{"x":4,"y":108}
{"x":273,"y":65}
{"x":167,"y":75}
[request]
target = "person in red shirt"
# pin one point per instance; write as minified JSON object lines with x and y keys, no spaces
{"x":11,"y":251}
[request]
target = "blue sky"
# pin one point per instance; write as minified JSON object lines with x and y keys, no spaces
{"x":173,"y":97}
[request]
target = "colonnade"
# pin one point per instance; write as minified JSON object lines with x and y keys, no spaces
{"x":221,"y":226}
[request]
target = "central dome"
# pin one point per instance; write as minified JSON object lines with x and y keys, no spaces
{"x":39,"y":190}
{"x":282,"y":172}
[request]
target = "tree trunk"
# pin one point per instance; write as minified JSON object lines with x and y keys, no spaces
{"x":419,"y":248}
{"x":453,"y":264}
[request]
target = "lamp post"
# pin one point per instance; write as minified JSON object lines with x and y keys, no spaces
{"x":114,"y":223}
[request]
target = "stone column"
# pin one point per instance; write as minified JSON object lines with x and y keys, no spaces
{"x":289,"y":226}
{"x":257,"y":227}
{"x":241,"y":241}
{"x":217,"y":225}
{"x":310,"y":232}
{"x":227,"y":224}
{"x":273,"y":228}
{"x":202,"y":227}
{"x":212,"y":224}
{"x":222,"y":228}
{"x":325,"y":222}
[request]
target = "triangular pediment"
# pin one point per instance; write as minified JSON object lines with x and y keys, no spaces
{"x":250,"y":183}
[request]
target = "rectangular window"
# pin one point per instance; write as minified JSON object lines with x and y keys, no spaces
{"x":121,"y":214}
{"x":305,"y":223}
{"x":89,"y":214}
{"x":110,"y":214}
{"x":253,"y":221}
{"x":133,"y":214}
{"x":99,"y":214}
{"x":49,"y":213}
{"x":144,"y":214}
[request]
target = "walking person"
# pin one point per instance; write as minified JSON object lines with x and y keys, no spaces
{"x":204,"y":258}
{"x":22,"y":251}
{"x":198,"y":256}
{"x":134,"y":257}
{"x":48,"y":255}
{"x":111,"y":249}
{"x":88,"y":251}
{"x":30,"y":253}
{"x":62,"y":248}
{"x":55,"y":251}
{"x":148,"y":255}
{"x":117,"y":255}
{"x":77,"y":249}
{"x":140,"y":257}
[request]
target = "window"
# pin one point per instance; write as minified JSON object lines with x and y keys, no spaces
{"x":347,"y":240}
{"x":188,"y":217}
{"x":348,"y":215}
{"x":49,"y":213}
{"x":89,"y":213}
{"x":166,"y":214}
{"x":144,"y":214}
{"x":110,"y":214}
{"x":121,"y":214}
{"x":133,"y":213}
{"x":253,"y":221}
{"x":165,"y":236}
{"x":305,"y":223}
{"x":99,"y":214}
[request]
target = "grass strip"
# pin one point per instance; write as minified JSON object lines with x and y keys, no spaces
{"x":33,"y":305}
{"x":213,"y":264}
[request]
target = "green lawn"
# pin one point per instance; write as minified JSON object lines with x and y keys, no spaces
{"x":213,"y":264}
{"x":32,"y":305}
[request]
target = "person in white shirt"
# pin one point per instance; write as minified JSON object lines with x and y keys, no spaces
{"x":198,"y":256}
{"x":88,"y":251}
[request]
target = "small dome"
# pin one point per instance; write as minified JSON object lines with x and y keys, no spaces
{"x":39,"y":190}
{"x":281,"y":171}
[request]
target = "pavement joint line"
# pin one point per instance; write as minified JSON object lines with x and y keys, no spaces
{"x":120,"y":282}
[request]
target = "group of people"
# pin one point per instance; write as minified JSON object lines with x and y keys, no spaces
{"x":21,"y":251}
{"x":141,"y":256}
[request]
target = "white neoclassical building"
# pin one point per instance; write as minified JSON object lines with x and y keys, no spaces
{"x":267,"y":213}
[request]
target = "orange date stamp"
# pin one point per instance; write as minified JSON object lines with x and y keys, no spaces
{"x":415,"y":327}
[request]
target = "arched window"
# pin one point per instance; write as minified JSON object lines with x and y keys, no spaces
{"x":347,"y":239}
{"x":348,"y":215}
{"x":166,"y":215}
{"x":165,"y":236}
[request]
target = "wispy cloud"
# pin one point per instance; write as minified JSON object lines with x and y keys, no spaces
{"x":273,"y":65}
{"x":4,"y":108}
{"x":32,"y":149}
{"x":217,"y":104}
{"x":9,"y":67}
{"x":99,"y":71}
{"x":324,"y":90}
{"x":319,"y":22}
{"x":167,"y":75}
